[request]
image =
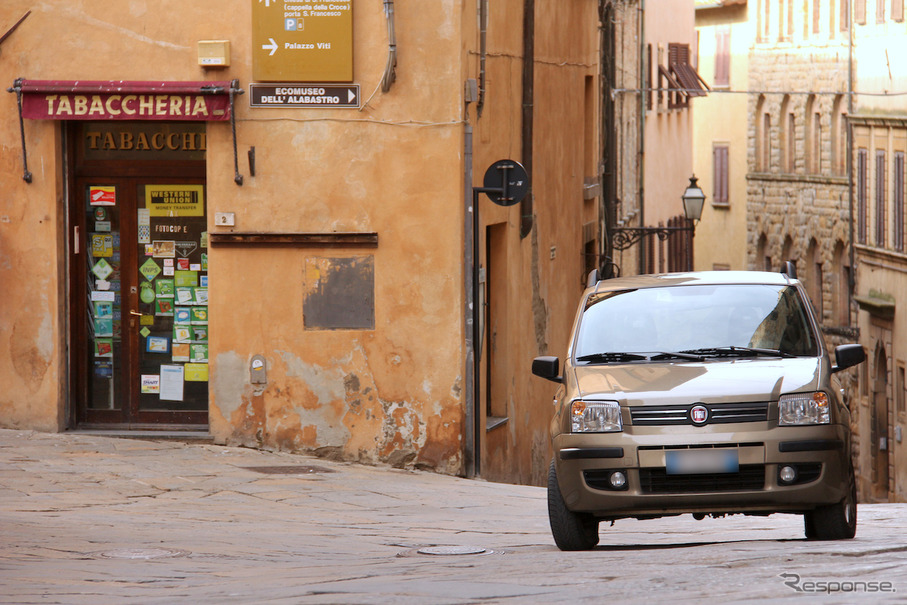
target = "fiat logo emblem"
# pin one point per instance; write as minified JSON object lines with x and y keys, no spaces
{"x":699,"y":414}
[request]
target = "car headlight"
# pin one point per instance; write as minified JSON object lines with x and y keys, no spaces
{"x":804,"y":408}
{"x":595,"y":417}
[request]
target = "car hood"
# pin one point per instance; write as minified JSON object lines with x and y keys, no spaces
{"x":737,"y":380}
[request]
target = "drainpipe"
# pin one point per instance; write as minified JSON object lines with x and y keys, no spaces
{"x":642,"y":133}
{"x":608,"y":139}
{"x":850,"y":93}
{"x":469,"y":270}
{"x":483,"y":51}
{"x":528,"y":98}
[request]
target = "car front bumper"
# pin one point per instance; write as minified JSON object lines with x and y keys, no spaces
{"x":655,"y":486}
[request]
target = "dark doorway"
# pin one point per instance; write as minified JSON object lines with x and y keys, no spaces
{"x":138,"y":268}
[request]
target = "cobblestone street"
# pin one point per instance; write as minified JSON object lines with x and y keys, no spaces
{"x":88,"y":519}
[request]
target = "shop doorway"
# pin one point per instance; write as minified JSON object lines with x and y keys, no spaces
{"x":879,"y":428}
{"x":138,"y":270}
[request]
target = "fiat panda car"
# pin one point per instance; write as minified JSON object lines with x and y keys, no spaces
{"x":707,"y":393}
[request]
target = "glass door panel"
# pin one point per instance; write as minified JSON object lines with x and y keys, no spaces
{"x":172,"y":273}
{"x":140,"y":302}
{"x":104,"y":309}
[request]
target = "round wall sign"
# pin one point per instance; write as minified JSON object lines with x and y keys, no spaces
{"x":508,"y":182}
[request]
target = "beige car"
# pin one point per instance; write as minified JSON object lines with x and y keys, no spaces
{"x":707,"y":393}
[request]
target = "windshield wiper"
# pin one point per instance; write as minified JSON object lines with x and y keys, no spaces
{"x":611,"y":357}
{"x":676,"y":354}
{"x":730,"y":351}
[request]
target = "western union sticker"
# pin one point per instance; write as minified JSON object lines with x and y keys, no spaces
{"x":175,"y":200}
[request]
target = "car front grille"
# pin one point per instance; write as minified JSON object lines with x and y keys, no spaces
{"x":719,"y":413}
{"x":750,"y":477}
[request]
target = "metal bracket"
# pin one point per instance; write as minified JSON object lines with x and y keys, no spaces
{"x":235,"y":90}
{"x":17,"y":88}
{"x":623,"y":238}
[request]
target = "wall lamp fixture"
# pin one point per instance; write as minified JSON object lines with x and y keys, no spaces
{"x":693,"y":198}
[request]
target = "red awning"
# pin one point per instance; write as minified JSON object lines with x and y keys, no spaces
{"x":124,"y":100}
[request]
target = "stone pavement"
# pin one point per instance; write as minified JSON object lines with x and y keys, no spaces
{"x":89,"y":519}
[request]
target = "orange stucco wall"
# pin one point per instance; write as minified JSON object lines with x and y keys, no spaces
{"x":393,"y":394}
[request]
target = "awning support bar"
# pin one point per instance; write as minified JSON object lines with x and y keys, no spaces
{"x":17,"y":88}
{"x":235,"y":90}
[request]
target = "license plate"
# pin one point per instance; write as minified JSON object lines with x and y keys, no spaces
{"x":691,"y":462}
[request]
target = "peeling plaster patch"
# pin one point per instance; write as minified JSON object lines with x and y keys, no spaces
{"x":540,"y":454}
{"x":404,"y":433}
{"x":320,"y":429}
{"x":426,"y":387}
{"x":539,"y":307}
{"x":45,"y":339}
{"x":29,"y":354}
{"x":327,"y":385}
{"x":229,"y":382}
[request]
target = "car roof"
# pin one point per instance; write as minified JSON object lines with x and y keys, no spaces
{"x":694,"y":278}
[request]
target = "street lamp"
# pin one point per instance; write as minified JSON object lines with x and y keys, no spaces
{"x":693,"y":198}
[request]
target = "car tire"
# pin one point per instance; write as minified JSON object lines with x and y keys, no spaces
{"x":571,"y":531}
{"x":836,"y":521}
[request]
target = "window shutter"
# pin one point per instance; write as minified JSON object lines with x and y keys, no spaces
{"x":859,"y":11}
{"x":720,"y":186}
{"x":722,"y":56}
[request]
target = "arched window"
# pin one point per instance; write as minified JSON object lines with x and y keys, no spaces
{"x":788,"y":136}
{"x":841,"y":286}
{"x":839,"y":136}
{"x":763,"y":258}
{"x":812,"y":121}
{"x":763,"y":147}
{"x":787,"y":251}
{"x":812,"y":275}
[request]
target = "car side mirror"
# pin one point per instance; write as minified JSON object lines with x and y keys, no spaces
{"x":547,"y":367}
{"x":847,"y":356}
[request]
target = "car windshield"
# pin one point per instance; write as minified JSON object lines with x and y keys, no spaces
{"x":708,"y":320}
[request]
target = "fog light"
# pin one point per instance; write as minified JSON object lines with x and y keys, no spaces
{"x":788,"y":474}
{"x":618,"y":480}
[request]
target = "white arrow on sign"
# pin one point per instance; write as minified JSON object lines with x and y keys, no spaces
{"x":272,"y":46}
{"x":350,"y":95}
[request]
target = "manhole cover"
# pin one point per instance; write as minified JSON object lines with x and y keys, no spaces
{"x":141,"y":553}
{"x":451,"y":550}
{"x":289,"y":470}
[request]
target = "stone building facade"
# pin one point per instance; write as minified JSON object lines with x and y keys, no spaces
{"x":825,"y":188}
{"x":878,"y":122}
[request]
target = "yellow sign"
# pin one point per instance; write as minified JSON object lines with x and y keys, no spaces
{"x":101,"y":245}
{"x":175,"y":200}
{"x":302,"y":41}
{"x":196,"y":372}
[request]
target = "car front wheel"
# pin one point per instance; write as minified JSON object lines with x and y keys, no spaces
{"x":571,"y":531}
{"x":836,"y":521}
